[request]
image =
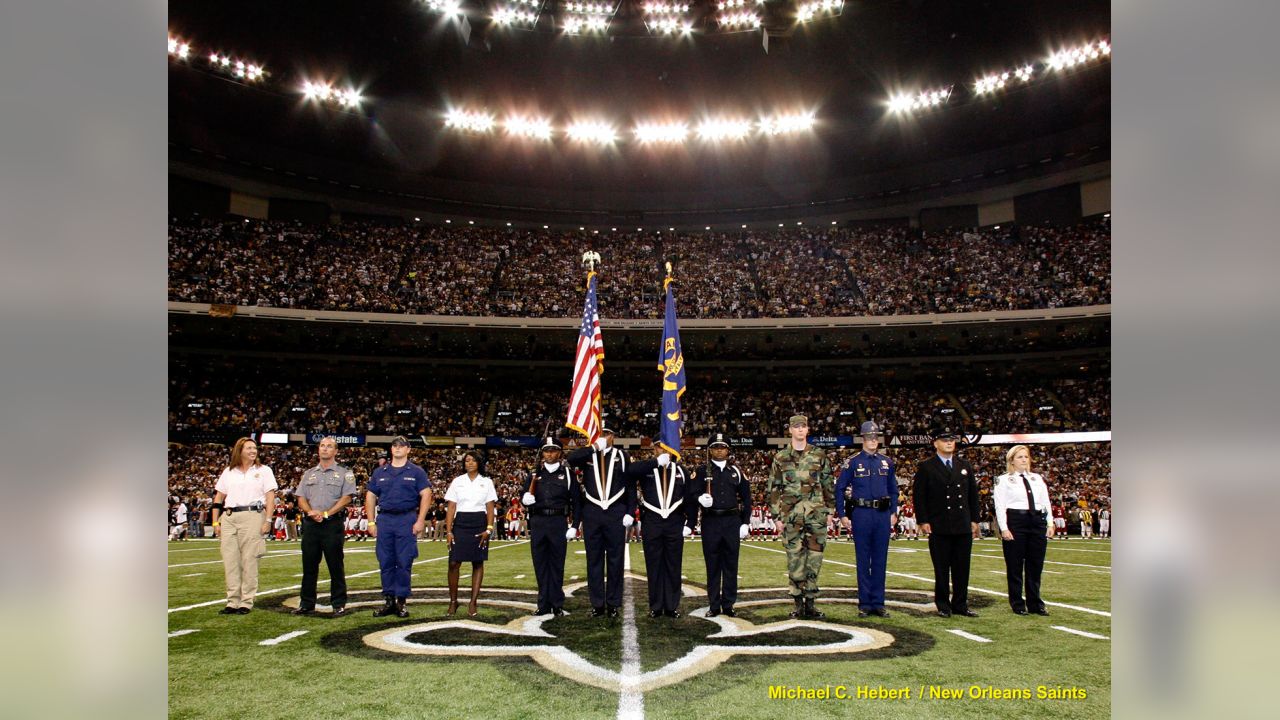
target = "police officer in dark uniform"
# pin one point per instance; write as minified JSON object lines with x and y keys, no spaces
{"x":665,"y":520}
{"x":946,"y":500}
{"x":403,"y":494}
{"x":553,"y":499}
{"x":323,"y":496}
{"x":608,"y":509}
{"x":867,"y":504}
{"x":726,"y":509}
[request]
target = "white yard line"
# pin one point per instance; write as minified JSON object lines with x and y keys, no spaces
{"x":921,"y":578}
{"x":969,"y":636}
{"x":519,"y":577}
{"x":1048,"y":562}
{"x":193,"y":575}
{"x":1081,"y":633}
{"x":284,"y":637}
{"x":630,"y":700}
{"x":179,"y":633}
{"x":268,"y":556}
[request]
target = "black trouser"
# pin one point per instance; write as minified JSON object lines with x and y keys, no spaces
{"x":663,"y":558}
{"x":605,"y":538}
{"x":323,"y":538}
{"x":548,"y":544}
{"x":950,"y":555}
{"x":1026,"y":549}
{"x":720,"y":545}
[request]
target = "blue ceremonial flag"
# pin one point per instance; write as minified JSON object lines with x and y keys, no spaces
{"x":671,"y":365}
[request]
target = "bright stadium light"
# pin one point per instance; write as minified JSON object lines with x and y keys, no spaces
{"x":1024,"y":73}
{"x":592,"y":131}
{"x":809,"y":10}
{"x":991,"y":83}
{"x":179,"y":48}
{"x":904,"y":102}
{"x":529,"y":127}
{"x":648,"y":133}
{"x":784,"y":124}
{"x":480,"y":122}
{"x":739,"y":20}
{"x":517,"y":15}
{"x":448,"y":7}
{"x":715,"y":129}
{"x":1072,"y":57}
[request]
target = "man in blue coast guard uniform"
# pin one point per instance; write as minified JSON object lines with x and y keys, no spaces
{"x":403,"y":495}
{"x":608,"y":510}
{"x":867,"y":500}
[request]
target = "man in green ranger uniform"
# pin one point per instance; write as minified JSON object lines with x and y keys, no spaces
{"x":801,"y":497}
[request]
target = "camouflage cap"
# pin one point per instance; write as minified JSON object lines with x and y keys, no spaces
{"x":797,"y":420}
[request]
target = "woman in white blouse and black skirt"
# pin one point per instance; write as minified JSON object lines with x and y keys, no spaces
{"x":469,"y":525}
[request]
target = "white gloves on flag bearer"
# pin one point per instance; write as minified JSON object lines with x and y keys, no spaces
{"x":664,"y":460}
{"x":686,"y":531}
{"x":528,"y":499}
{"x":742,"y":532}
{"x":571,"y":533}
{"x":602,"y":444}
{"x":704,"y":500}
{"x":628,"y":521}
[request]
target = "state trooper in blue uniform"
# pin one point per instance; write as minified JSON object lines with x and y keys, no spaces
{"x":666,"y":523}
{"x":553,"y":499}
{"x":608,"y":509}
{"x":726,"y":509}
{"x":403,"y":495}
{"x":867,"y":499}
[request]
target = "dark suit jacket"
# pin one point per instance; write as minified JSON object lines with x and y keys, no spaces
{"x":948,"y":501}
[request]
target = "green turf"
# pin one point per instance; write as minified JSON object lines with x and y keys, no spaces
{"x":329,"y":672}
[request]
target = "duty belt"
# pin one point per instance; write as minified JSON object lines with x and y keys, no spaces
{"x":717,"y":512}
{"x":549,"y":511}
{"x":396,"y":512}
{"x":877,"y":504}
{"x":256,"y":507}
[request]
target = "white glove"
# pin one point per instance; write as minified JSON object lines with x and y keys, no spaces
{"x":742,"y":532}
{"x":686,"y":531}
{"x":571,"y":533}
{"x":528,"y":499}
{"x":602,"y":444}
{"x":628,"y":521}
{"x":664,"y":460}
{"x":704,"y":500}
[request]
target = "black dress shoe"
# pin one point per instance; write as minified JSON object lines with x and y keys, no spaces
{"x":863,"y":613}
{"x":613,"y":611}
{"x":944,"y":613}
{"x":243,"y":610}
{"x":557,"y":612}
{"x":303,"y":611}
{"x":729,"y":612}
{"x":597,"y":612}
{"x":673,"y":614}
{"x":713,"y":612}
{"x":654,"y":613}
{"x":228,"y":610}
{"x":1019,"y":611}
{"x":540,"y":611}
{"x":880,"y":612}
{"x":340,"y":610}
{"x":967,"y":613}
{"x":1043,"y":611}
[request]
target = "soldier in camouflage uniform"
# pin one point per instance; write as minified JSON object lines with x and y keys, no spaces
{"x":801,"y":496}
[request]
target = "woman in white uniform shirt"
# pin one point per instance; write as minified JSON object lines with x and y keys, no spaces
{"x":1023,"y":512}
{"x":469,"y":524}
{"x":244,"y":501}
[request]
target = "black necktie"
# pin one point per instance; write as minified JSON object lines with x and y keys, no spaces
{"x":1031,"y":501}
{"x":947,"y":463}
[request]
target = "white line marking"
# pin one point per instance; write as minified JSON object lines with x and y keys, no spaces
{"x":1048,"y":562}
{"x":464,"y":577}
{"x":573,"y":577}
{"x":177,"y":633}
{"x":1081,"y":633}
{"x":193,"y":575}
{"x":282,"y":638}
{"x":1091,"y":611}
{"x":844,"y":574}
{"x":998,"y":572}
{"x":519,"y":577}
{"x":969,"y":636}
{"x":630,"y":700}
{"x":268,"y":556}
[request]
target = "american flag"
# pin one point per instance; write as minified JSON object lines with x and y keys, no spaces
{"x":588,"y":366}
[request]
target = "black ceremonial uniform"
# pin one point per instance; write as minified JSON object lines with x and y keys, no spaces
{"x":664,"y":515}
{"x":730,"y":510}
{"x":607,"y":497}
{"x":557,"y":502}
{"x":948,"y":501}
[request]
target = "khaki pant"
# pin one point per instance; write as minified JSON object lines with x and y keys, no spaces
{"x":242,"y":545}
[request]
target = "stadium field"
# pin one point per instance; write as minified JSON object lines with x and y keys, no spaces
{"x":505,"y":664}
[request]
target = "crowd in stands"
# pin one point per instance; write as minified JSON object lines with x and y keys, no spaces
{"x":788,"y":272}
